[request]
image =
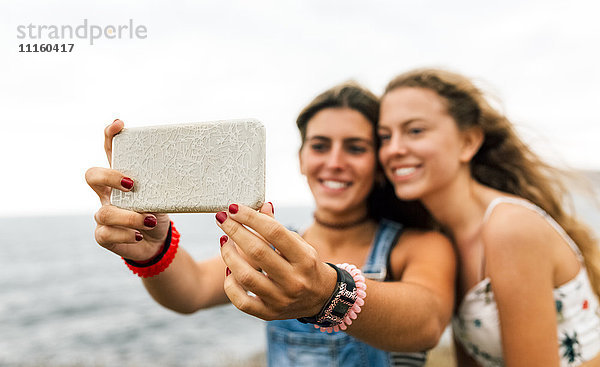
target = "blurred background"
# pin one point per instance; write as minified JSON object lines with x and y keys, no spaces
{"x":65,"y":301}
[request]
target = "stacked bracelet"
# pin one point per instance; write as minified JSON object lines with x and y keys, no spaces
{"x":345,"y":302}
{"x":161,"y":261}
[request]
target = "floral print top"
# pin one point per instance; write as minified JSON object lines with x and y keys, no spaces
{"x":477,"y":326}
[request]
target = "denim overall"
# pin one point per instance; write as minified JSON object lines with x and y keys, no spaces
{"x":292,"y":343}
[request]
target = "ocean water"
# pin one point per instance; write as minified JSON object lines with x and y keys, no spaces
{"x":65,"y":301}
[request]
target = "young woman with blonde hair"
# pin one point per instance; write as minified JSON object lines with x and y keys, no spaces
{"x":529,"y":274}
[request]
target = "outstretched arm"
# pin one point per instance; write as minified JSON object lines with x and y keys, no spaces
{"x":408,"y":315}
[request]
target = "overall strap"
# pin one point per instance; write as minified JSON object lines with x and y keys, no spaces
{"x":375,"y":266}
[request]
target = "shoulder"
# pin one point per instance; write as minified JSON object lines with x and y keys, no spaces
{"x":426,"y":259}
{"x":426,"y":246}
{"x":516,"y":243}
{"x":515,"y":230}
{"x":421,"y":239}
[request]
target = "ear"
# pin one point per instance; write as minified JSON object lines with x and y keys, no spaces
{"x":472,"y":140}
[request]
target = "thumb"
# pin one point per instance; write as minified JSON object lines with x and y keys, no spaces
{"x":109,"y":132}
{"x":268,"y":209}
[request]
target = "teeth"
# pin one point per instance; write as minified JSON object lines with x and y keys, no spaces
{"x":335,"y":184}
{"x":404,"y":171}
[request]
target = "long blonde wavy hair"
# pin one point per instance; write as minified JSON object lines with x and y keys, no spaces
{"x":504,"y":161}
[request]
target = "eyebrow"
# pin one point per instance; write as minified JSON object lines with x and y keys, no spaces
{"x":403,"y":123}
{"x":347,"y":140}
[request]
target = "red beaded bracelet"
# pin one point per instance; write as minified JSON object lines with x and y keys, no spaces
{"x":160,"y":262}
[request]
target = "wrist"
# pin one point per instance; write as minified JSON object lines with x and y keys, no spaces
{"x":158,"y":263}
{"x":344,"y":304}
{"x":156,"y":255}
{"x":329,"y":283}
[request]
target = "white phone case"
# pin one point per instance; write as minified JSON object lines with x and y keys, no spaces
{"x":191,"y":168}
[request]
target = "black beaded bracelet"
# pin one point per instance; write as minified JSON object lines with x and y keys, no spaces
{"x":342,"y":301}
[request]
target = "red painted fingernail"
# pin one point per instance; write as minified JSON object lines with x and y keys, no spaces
{"x":221,"y":216}
{"x":115,"y":120}
{"x":150,"y":221}
{"x":233,"y":208}
{"x":227,"y":272}
{"x":223,"y":239}
{"x":272,"y":208}
{"x":127,"y":183}
{"x":138,"y":236}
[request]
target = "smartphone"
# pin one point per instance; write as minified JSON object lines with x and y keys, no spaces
{"x":191,"y":168}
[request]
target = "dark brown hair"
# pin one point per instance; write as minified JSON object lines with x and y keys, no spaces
{"x":346,"y":95}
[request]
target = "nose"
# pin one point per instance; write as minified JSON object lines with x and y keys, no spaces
{"x":336,"y":159}
{"x":395,"y":146}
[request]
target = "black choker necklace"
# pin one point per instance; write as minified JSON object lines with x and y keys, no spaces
{"x":341,"y":225}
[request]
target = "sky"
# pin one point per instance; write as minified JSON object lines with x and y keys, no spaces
{"x":205,"y":61}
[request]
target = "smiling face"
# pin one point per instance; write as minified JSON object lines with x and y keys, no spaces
{"x":339,"y":161}
{"x":422,"y":149}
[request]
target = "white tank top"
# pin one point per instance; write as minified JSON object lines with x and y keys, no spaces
{"x":477,"y":326}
